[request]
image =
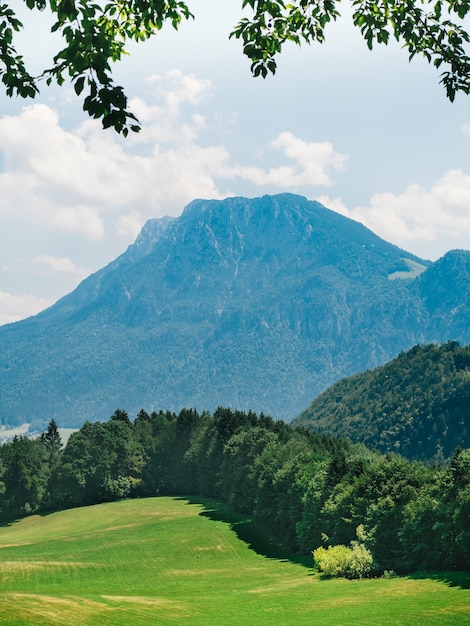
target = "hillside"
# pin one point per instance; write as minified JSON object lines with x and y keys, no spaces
{"x":250,"y":303}
{"x":163,"y":560}
{"x":418,"y":404}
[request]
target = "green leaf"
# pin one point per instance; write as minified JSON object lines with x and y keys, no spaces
{"x":79,"y":84}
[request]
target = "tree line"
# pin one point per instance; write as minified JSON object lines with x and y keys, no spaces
{"x":311,"y":491}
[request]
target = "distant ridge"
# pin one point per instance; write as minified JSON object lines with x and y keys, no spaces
{"x":418,"y":404}
{"x":250,"y":303}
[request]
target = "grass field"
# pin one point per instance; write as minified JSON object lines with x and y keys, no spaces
{"x":169,"y":560}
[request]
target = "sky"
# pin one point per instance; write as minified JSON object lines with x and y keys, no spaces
{"x":368,"y":134}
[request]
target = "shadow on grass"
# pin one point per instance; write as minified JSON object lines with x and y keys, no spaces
{"x":452,"y":579}
{"x":250,"y":532}
{"x":6,"y":523}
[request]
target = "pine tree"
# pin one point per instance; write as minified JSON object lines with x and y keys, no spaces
{"x":52,"y":441}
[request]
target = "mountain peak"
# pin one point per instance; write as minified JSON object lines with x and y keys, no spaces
{"x":151,"y":232}
{"x":250,"y":303}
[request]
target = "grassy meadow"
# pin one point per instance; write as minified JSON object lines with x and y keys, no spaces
{"x":172,"y":560}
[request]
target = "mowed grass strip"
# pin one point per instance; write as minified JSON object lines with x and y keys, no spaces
{"x":169,"y":560}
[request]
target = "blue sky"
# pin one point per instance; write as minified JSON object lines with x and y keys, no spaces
{"x":366,"y":133}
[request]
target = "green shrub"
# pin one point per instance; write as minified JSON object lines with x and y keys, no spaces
{"x":361,"y":561}
{"x":332,"y":561}
{"x":353,"y":562}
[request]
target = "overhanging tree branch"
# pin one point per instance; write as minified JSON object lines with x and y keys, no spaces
{"x":96,"y":33}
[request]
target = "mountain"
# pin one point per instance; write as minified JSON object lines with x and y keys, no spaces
{"x":250,"y":303}
{"x":418,"y":404}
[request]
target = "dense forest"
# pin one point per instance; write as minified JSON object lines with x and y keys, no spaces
{"x":418,"y":404}
{"x":309,"y":490}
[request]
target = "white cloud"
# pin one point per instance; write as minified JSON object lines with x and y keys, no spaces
{"x":310,"y":164}
{"x":178,"y":88}
{"x":91,"y":183}
{"x":313,"y":159}
{"x":130,"y":225}
{"x":13,"y":308}
{"x":466,"y":129}
{"x":49,"y":175}
{"x":61,"y":265}
{"x":335,"y":204}
{"x":84,"y":181}
{"x":429,"y":222}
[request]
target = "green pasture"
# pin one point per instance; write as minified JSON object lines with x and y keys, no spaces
{"x":171,"y":560}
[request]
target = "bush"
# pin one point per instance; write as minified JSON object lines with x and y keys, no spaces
{"x":353,"y":562}
{"x":332,"y":561}
{"x":361,"y":561}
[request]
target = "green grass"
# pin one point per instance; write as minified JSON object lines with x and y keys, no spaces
{"x":167,"y":560}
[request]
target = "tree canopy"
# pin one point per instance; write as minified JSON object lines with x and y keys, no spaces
{"x":95,"y":35}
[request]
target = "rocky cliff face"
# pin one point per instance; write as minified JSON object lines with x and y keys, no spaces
{"x":250,"y":303}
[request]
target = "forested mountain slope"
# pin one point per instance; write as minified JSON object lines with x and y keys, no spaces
{"x":418,"y":404}
{"x":252,"y":303}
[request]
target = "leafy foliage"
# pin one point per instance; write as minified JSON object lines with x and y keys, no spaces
{"x":95,"y":35}
{"x":418,"y":404}
{"x":101,"y":463}
{"x":434,"y":29}
{"x":25,"y":477}
{"x":353,"y":562}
